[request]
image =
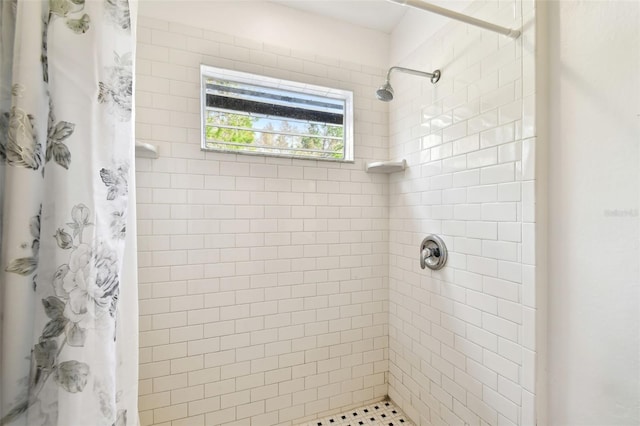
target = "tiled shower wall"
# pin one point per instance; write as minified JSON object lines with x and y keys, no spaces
{"x":263,"y":281}
{"x":462,"y":339}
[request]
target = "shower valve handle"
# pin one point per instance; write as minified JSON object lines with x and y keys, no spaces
{"x":433,"y":253}
{"x":426,"y":253}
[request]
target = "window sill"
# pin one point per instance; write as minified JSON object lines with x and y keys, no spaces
{"x":266,"y":154}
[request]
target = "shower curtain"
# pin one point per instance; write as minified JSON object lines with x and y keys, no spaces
{"x":68,"y":290}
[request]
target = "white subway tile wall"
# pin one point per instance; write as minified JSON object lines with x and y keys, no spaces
{"x":462,"y":340}
{"x":276,"y":291}
{"x":263,"y":280}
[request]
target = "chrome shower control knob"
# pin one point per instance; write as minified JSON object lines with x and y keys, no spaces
{"x":433,"y":253}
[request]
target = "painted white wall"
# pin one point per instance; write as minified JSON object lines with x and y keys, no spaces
{"x":594,"y":348}
{"x":277,"y":25}
{"x":416,"y":27}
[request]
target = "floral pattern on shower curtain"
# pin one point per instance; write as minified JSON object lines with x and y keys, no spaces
{"x":68,"y":288}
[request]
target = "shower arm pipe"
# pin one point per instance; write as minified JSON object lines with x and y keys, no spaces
{"x":410,"y":71}
{"x":419,"y":4}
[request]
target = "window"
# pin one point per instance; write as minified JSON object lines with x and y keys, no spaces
{"x":251,"y":114}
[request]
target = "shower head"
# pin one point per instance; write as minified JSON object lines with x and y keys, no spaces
{"x":385,"y":92}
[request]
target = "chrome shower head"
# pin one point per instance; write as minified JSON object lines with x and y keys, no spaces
{"x":385,"y":92}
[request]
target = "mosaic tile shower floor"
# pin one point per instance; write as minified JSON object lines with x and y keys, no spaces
{"x":383,"y":413}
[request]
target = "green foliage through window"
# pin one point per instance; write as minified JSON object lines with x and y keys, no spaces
{"x":215,"y":132}
{"x":246,"y":113}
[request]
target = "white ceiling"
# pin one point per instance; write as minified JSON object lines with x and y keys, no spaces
{"x":379,"y":15}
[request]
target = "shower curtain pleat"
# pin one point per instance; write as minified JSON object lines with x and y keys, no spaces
{"x":68,"y":285}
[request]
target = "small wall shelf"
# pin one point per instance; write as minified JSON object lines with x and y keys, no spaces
{"x":386,"y":166}
{"x":146,"y":150}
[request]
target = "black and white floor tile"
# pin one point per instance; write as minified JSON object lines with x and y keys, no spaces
{"x":383,"y":413}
